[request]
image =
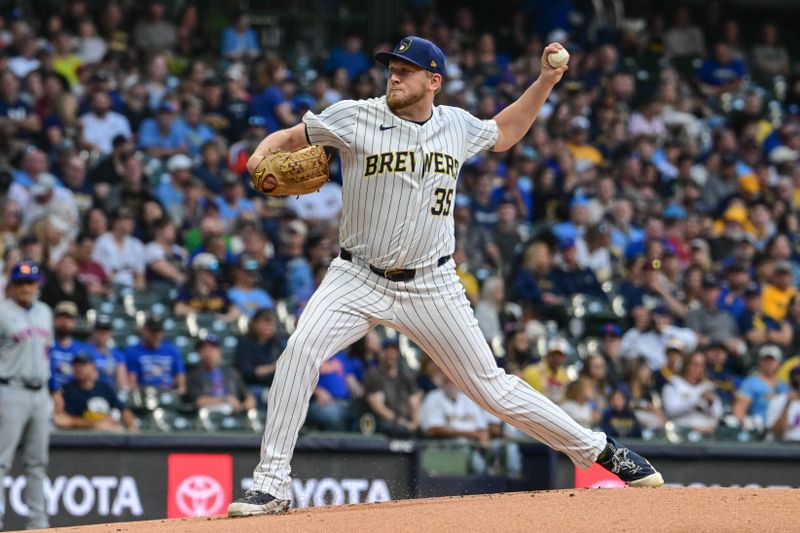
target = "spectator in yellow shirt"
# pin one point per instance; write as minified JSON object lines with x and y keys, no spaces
{"x":65,"y":61}
{"x":549,"y":376}
{"x":584,"y":153}
{"x":778,"y":293}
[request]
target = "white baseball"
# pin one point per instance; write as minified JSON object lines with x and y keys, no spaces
{"x":558,"y":59}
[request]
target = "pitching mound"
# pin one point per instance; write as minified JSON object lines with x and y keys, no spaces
{"x":694,"y":510}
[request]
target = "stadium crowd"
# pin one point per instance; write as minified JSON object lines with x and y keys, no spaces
{"x":635,"y":258}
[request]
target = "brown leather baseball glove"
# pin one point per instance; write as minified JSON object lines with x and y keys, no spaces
{"x":293,"y":173}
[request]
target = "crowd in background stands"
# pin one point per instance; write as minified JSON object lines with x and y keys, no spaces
{"x":661,"y":179}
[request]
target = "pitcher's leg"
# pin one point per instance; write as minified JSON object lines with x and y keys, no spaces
{"x":338,"y":314}
{"x":444,"y":326}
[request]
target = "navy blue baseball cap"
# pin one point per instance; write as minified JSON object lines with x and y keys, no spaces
{"x":83,"y":357}
{"x":416,"y":50}
{"x":25,"y":271}
{"x":394,"y":341}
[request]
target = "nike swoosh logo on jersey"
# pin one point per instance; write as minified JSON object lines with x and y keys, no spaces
{"x":384,"y":128}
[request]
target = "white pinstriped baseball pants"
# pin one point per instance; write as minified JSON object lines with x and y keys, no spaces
{"x":431,"y":310}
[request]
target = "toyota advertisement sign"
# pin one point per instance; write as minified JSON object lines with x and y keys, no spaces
{"x":88,"y":486}
{"x":198,"y":484}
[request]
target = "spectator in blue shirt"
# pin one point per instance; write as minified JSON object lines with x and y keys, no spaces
{"x":244,"y":294}
{"x":331,"y":407}
{"x":155,"y":362}
{"x":65,"y":347}
{"x":721,"y":73}
{"x":271,"y":103}
{"x":232,"y":204}
{"x":731,"y":296}
{"x":239,"y":40}
{"x":109,"y":360}
{"x":89,"y":401}
{"x":195,"y":131}
{"x":349,"y":57}
{"x":578,"y":218}
{"x":170,"y":190}
{"x":162,"y":136}
{"x":755,"y":392}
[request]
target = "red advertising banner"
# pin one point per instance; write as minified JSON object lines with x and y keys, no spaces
{"x":199,"y":484}
{"x":597,"y":477}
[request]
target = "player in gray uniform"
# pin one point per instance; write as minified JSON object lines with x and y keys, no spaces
{"x":401,"y":157}
{"x":26,"y":334}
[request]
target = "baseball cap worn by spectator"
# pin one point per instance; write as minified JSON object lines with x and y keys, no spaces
{"x":717,"y":344}
{"x":25,"y":272}
{"x":179,"y":162}
{"x":612,"y":330}
{"x":208,"y":339}
{"x":82,"y":357}
{"x":297,"y":226}
{"x":205,"y":261}
{"x":103,"y":322}
{"x":418,"y":51}
{"x":248,"y":264}
{"x":675,"y":345}
{"x":154,"y":323}
{"x":783,"y":267}
{"x":558,"y":345}
{"x":710,"y":281}
{"x":674,"y":211}
{"x":566,"y":244}
{"x":387,"y":342}
{"x":752,"y":289}
{"x":699,"y":244}
{"x":124,"y":212}
{"x":167,"y":107}
{"x":66,"y":308}
{"x":661,"y":310}
{"x":770,"y":350}
{"x":257,"y":121}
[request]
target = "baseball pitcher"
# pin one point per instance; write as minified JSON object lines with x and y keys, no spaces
{"x":401,"y":157}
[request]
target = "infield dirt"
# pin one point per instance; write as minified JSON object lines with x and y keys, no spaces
{"x":667,"y":509}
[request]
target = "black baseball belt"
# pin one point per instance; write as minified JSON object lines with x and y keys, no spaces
{"x":392,"y":274}
{"x":30,"y":384}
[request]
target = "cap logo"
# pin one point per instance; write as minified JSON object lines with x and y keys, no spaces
{"x":433,"y":64}
{"x":404,"y":45}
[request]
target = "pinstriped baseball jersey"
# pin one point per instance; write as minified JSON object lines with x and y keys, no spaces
{"x":399,"y":177}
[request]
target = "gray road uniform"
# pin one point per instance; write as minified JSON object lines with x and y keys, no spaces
{"x":25,"y":408}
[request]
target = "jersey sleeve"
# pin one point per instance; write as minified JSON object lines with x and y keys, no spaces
{"x":480,"y":135}
{"x":335,"y":126}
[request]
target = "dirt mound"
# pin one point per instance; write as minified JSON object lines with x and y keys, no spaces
{"x":666,"y":509}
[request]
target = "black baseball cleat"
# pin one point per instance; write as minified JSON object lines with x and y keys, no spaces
{"x":631,"y":467}
{"x":255,"y":503}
